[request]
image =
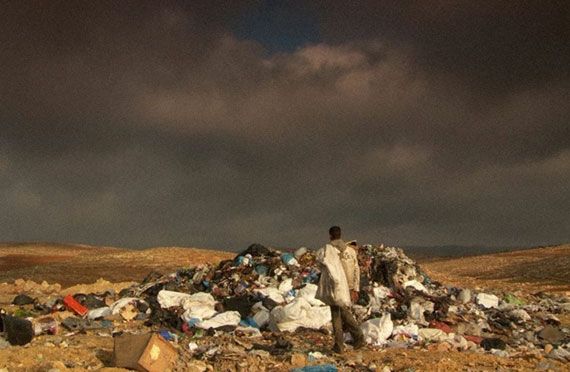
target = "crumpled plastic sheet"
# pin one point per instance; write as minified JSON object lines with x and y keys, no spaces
{"x":487,"y":300}
{"x":299,"y":313}
{"x":229,"y":318}
{"x":377,"y":330}
{"x":117,"y":306}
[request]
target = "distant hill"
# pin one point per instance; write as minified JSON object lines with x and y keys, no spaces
{"x":423,"y":253}
{"x":536,"y":269}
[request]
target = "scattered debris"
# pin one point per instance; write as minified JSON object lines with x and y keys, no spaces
{"x":260,"y":306}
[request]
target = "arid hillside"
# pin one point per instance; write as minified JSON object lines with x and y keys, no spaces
{"x":540,"y":269}
{"x":545,"y":269}
{"x":73,"y":264}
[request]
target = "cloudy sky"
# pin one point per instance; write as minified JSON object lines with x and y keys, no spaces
{"x":223,"y":123}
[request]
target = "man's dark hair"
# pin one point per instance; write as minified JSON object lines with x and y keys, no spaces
{"x":334,"y":232}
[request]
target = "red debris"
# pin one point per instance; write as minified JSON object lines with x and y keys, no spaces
{"x":73,"y":305}
{"x":439,"y":325}
{"x":475,"y":339}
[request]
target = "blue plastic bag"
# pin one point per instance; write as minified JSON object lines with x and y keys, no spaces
{"x":287,"y":257}
{"x":319,"y":368}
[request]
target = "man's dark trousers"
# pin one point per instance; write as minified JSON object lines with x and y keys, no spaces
{"x":342,"y":319}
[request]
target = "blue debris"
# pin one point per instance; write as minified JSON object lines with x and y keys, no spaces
{"x":319,"y":368}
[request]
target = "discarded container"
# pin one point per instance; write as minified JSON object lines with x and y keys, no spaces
{"x":261,"y":318}
{"x":299,"y":252}
{"x":143,"y":352}
{"x":289,"y":259}
{"x":74,"y":306}
{"x":487,"y":300}
{"x":46,"y":325}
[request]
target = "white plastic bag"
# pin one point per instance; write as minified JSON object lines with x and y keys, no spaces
{"x":198,"y":299}
{"x":487,"y":300}
{"x":168,"y":299}
{"x":409,"y":330}
{"x":381,"y":292}
{"x":229,"y":318}
{"x":299,"y":313}
{"x":273,"y":293}
{"x":285,"y":286}
{"x":415,"y":284}
{"x":100,"y":312}
{"x":376,"y":331}
{"x":433,"y":335}
{"x":200,"y":311}
{"x":308,"y":292}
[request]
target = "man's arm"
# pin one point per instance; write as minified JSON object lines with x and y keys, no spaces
{"x":355,"y":285}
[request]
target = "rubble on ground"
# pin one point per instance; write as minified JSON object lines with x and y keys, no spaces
{"x":260,"y":308}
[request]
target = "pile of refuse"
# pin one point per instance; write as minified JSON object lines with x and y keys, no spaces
{"x":264,"y":291}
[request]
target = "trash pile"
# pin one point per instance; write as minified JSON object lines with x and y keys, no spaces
{"x":255,"y":299}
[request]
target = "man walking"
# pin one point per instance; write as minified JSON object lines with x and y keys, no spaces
{"x":334,"y":290}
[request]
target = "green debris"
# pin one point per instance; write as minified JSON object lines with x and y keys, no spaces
{"x":513,"y":300}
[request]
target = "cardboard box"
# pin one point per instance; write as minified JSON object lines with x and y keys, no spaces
{"x":144,"y":352}
{"x":159,"y":355}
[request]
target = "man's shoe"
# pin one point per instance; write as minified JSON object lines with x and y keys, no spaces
{"x":359,"y":344}
{"x":338,"y":349}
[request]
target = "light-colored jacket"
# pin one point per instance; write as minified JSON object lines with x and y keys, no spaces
{"x":349,"y":260}
{"x":333,"y":287}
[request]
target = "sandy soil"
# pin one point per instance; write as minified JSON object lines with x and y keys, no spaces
{"x":529,"y":270}
{"x":541,"y":269}
{"x":74,"y":264}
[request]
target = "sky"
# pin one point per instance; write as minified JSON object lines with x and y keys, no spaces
{"x":223,"y":123}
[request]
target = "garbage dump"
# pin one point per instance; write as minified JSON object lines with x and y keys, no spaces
{"x":253,"y":304}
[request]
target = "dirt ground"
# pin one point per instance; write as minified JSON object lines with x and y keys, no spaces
{"x":88,"y":269}
{"x":532,"y":270}
{"x":74,"y":264}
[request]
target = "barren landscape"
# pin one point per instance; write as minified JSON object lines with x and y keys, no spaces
{"x":87,"y":269}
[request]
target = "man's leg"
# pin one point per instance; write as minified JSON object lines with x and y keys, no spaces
{"x":337,"y":329}
{"x":352,"y":326}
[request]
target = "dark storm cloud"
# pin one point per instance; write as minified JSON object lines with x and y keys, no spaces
{"x":141,"y":124}
{"x":499,"y":45}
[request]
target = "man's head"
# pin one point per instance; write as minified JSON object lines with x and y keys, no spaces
{"x":334,"y":233}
